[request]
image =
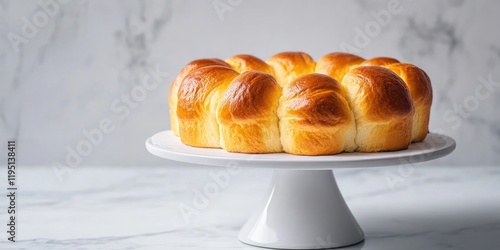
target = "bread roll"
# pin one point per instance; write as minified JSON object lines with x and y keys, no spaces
{"x":420,"y":88}
{"x":314,"y":117}
{"x":337,"y":64}
{"x":290,"y":65}
{"x":379,"y":61}
{"x":198,"y":97}
{"x":247,"y":114}
{"x":174,"y":88}
{"x":242,"y":63}
{"x":289,"y":103}
{"x":382,"y":107}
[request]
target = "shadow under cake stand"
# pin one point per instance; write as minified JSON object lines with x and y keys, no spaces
{"x":304,"y":208}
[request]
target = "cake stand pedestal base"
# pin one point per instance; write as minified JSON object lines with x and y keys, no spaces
{"x":303,"y":209}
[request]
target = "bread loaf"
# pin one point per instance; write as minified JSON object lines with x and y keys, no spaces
{"x":382,"y":107}
{"x":174,"y":88}
{"x":420,"y":89}
{"x":379,"y":61}
{"x":199,"y":95}
{"x":242,"y":63}
{"x":292,"y":104}
{"x":337,"y":64}
{"x":247,"y":114}
{"x":315,"y":119}
{"x":290,"y":65}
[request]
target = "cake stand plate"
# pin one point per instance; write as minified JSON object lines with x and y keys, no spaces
{"x":303,"y":208}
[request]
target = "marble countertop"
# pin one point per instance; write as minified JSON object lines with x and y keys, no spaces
{"x":426,"y":207}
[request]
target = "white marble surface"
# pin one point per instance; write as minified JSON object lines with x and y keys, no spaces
{"x":90,"y":53}
{"x":137,"y":208}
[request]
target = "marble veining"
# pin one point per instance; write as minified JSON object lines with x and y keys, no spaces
{"x":436,"y":207}
{"x":65,"y":78}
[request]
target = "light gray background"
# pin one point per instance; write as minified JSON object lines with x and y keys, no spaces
{"x":90,"y":53}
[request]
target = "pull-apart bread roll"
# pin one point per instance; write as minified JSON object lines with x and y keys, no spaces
{"x":198,"y":97}
{"x":247,"y":115}
{"x":242,"y":63}
{"x":290,"y":103}
{"x":174,"y":88}
{"x":290,"y":65}
{"x":382,"y":107}
{"x":379,"y":61}
{"x":315,"y":119}
{"x":420,"y":88}
{"x":337,"y":64}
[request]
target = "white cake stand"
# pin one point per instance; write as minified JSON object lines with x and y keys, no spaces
{"x":304,"y":208}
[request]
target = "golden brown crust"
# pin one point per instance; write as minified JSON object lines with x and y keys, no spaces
{"x":381,"y":92}
{"x":417,"y":81}
{"x":174,"y":88}
{"x":382,"y":107}
{"x":337,"y":64}
{"x":194,"y":65}
{"x":379,"y":61}
{"x":238,"y":104}
{"x":312,"y":98}
{"x":420,"y":89}
{"x":242,"y":63}
{"x":290,"y":65}
{"x":314,"y":117}
{"x":322,"y":109}
{"x":198,"y":98}
{"x":247,"y":114}
{"x":196,"y":88}
{"x":251,"y":95}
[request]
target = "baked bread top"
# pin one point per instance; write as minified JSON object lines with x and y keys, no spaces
{"x":340,"y":103}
